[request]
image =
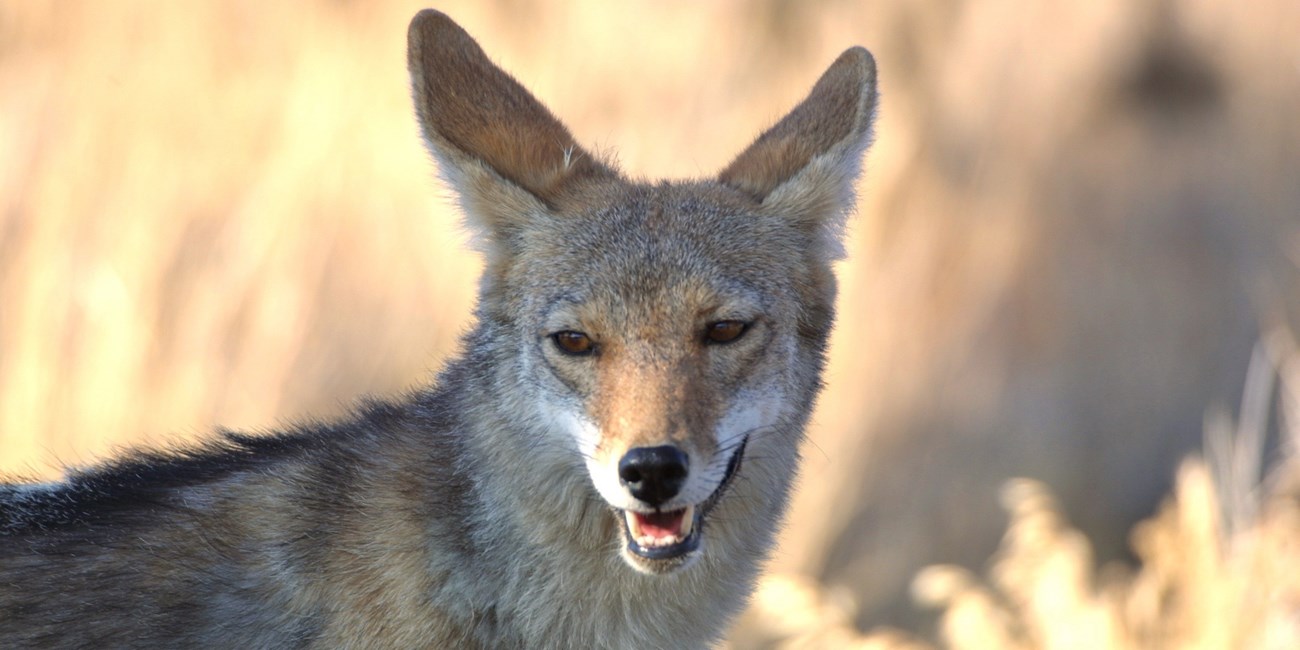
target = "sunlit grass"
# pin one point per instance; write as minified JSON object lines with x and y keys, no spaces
{"x":1212,"y":572}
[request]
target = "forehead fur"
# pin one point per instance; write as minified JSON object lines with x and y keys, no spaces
{"x":650,"y":234}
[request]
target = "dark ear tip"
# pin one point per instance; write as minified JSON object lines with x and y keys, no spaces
{"x":860,"y":59}
{"x":430,"y":26}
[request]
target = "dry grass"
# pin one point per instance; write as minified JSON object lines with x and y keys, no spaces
{"x":189,"y":190}
{"x":1217,"y":565}
{"x":219,"y":213}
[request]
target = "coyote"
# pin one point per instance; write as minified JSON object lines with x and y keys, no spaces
{"x":605,"y":465}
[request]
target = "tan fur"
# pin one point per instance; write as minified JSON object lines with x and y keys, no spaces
{"x":490,"y":510}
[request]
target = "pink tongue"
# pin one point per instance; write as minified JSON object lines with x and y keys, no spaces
{"x":661,"y":524}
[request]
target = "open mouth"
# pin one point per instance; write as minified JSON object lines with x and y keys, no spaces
{"x":670,"y":534}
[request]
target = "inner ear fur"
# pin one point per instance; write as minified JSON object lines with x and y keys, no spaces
{"x":805,"y":167}
{"x":498,"y":146}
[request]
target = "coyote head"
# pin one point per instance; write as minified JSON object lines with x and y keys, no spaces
{"x":670,"y":337}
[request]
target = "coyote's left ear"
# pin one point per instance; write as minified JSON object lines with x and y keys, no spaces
{"x":805,"y":167}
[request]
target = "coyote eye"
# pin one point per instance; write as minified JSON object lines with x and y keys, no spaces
{"x":725,"y":331}
{"x":573,"y":343}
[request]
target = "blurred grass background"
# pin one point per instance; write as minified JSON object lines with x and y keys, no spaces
{"x":1077,"y":222}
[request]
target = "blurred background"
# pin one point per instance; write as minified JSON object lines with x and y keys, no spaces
{"x":1076,"y":265}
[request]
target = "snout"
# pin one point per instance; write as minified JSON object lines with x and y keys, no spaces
{"x":662,"y":530}
{"x":654,"y":475}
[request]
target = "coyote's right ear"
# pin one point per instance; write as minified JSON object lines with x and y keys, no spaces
{"x":506,"y":156}
{"x":804,"y":168}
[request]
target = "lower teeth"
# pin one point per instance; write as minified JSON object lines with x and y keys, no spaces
{"x":650,"y":541}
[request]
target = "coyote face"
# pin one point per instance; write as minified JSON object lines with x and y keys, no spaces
{"x":662,"y":354}
{"x":665,"y":331}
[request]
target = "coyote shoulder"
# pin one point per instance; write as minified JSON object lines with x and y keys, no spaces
{"x":605,"y":465}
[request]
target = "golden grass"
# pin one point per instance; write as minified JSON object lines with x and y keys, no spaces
{"x":190,"y":189}
{"x":1211,"y":573}
{"x":1196,"y":586}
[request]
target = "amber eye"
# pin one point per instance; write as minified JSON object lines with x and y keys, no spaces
{"x":725,"y":331}
{"x":573,"y":343}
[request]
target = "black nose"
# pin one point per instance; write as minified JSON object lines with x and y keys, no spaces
{"x":653,"y":474}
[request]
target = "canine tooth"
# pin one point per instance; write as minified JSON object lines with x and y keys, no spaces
{"x":688,"y":521}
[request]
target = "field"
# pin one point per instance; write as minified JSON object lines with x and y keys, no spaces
{"x":1064,"y":396}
